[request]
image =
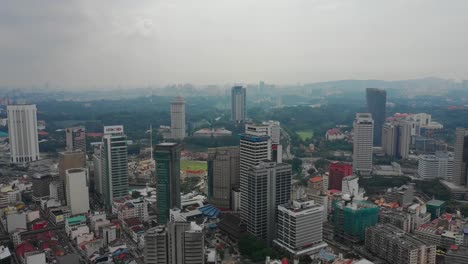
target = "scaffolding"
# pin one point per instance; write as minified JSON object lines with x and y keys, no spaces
{"x":353,"y":217}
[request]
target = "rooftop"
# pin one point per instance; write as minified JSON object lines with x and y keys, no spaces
{"x":435,"y":202}
{"x":76,"y":219}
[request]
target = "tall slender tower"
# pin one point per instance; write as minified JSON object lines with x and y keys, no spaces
{"x":167,"y":157}
{"x":77,"y":190}
{"x":238,"y":104}
{"x":22,"y":129}
{"x":178,"y":118}
{"x":460,"y":162}
{"x":362,"y":143}
{"x":376,"y":101}
{"x":114,"y":161}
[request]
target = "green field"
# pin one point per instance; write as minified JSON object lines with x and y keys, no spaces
{"x":305,"y":135}
{"x":193,"y":165}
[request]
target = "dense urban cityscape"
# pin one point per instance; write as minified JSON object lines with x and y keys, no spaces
{"x":233,"y":132}
{"x":389,"y":187}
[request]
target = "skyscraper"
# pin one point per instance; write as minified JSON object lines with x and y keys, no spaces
{"x":97,"y":163}
{"x":362,"y":143}
{"x":176,"y":243}
{"x":396,"y":139}
{"x":238,"y":104}
{"x":77,"y":190}
{"x":460,"y":162}
{"x":376,"y":101}
{"x":178,"y":118}
{"x":76,"y":139}
{"x":223,"y":175}
{"x":114,"y":161}
{"x":167,"y":157}
{"x":268,"y":185}
{"x":22,"y":129}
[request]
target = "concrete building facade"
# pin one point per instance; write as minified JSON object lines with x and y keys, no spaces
{"x":178,"y":118}
{"x":22,"y":130}
{"x":76,"y":139}
{"x":114,"y":161}
{"x":223,"y":175}
{"x":362,"y":143}
{"x":268,"y":186}
{"x":435,"y":166}
{"x":77,"y":191}
{"x":460,"y":162}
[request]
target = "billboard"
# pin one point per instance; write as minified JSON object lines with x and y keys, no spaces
{"x":113,"y":130}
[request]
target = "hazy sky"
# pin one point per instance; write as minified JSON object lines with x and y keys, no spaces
{"x":156,"y":42}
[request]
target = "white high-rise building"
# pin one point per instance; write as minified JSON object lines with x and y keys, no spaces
{"x":178,"y":118}
{"x":77,"y":190}
{"x":299,"y":228}
{"x":114,"y":162}
{"x":268,"y":185}
{"x":350,"y":185}
{"x":362,"y":143}
{"x":238,"y":104}
{"x":439,"y":165}
{"x":22,"y":129}
{"x":396,"y":139}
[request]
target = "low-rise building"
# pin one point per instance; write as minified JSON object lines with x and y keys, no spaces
{"x":395,"y":246}
{"x":439,"y":165}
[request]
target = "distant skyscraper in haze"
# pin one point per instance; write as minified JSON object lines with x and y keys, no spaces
{"x":167,"y":157}
{"x":238,"y":104}
{"x":223,"y":175}
{"x":460,"y":162}
{"x":376,"y":102}
{"x":76,"y":139}
{"x":268,"y":186}
{"x":178,"y":118}
{"x":114,"y":163}
{"x":362,"y":143}
{"x":22,"y":130}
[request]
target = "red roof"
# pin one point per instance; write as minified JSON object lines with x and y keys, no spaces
{"x":316,"y":179}
{"x":454,"y":247}
{"x":24,"y":248}
{"x":42,"y":133}
{"x":334,"y":131}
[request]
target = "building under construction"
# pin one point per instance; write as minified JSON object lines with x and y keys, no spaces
{"x":395,"y":246}
{"x":351,"y":218}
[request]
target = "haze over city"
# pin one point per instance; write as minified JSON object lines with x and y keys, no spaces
{"x":137,"y":43}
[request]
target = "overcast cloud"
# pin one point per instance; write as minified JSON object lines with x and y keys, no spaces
{"x":156,"y":42}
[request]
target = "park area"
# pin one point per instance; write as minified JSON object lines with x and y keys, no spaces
{"x":305,"y":135}
{"x":193,"y":165}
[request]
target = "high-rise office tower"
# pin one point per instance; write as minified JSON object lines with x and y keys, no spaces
{"x":376,"y":101}
{"x":268,"y":185}
{"x":68,"y":160}
{"x":77,"y":191}
{"x":176,"y":243}
{"x":22,"y":129}
{"x":274,"y":131}
{"x":223,"y":175}
{"x":76,"y":139}
{"x":460,"y":162}
{"x":41,"y":186}
{"x":178,"y":118}
{"x":238,"y":104}
{"x":362,"y":143}
{"x":255,"y":146}
{"x":299,"y":229}
{"x":114,"y":161}
{"x":167,"y":157}
{"x":396,"y":139}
